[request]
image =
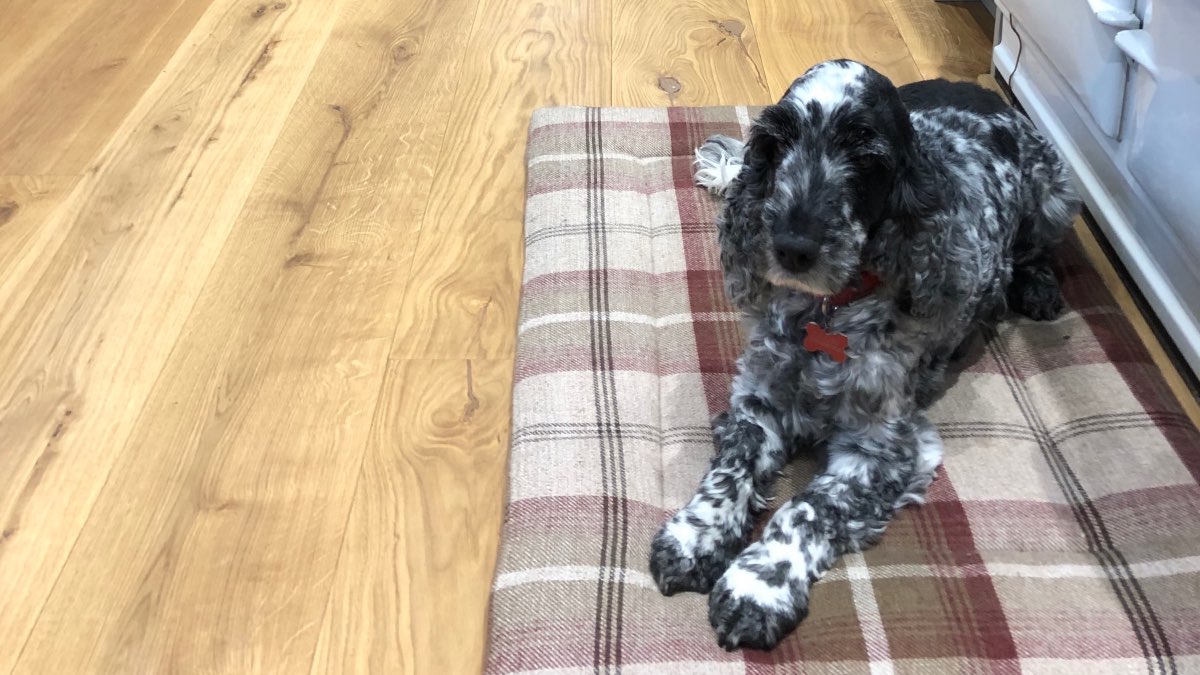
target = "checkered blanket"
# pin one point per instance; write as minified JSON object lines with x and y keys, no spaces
{"x":1061,"y":535}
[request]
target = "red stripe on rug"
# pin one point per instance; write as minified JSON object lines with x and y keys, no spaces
{"x":981,"y":627}
{"x":717,"y":342}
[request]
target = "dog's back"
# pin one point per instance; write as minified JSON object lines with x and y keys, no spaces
{"x":964,"y":96}
{"x":1003,"y":165}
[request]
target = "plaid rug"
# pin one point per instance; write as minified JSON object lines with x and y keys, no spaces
{"x":1061,"y":535}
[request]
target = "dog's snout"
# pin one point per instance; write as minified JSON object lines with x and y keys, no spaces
{"x":796,"y":254}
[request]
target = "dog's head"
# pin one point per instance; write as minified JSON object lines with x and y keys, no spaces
{"x":825,"y":165}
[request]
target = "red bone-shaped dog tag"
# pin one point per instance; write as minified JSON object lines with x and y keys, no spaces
{"x":833,"y":344}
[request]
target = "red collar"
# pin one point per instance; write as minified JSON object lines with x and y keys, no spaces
{"x":867,"y":283}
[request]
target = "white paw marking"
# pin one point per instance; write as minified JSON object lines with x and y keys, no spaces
{"x":816,"y":550}
{"x":686,"y":536}
{"x":745,"y":584}
{"x":804,"y":555}
{"x":929,"y":450}
{"x":929,"y":457}
{"x":806,"y":512}
{"x":702,"y":539}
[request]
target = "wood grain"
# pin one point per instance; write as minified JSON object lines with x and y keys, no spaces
{"x":793,"y":36}
{"x":87,"y":85}
{"x":94,"y":308}
{"x":434,"y":472}
{"x":259,"y":273}
{"x":26,"y":203}
{"x":685,"y":52}
{"x":280,"y":365}
{"x":944,"y":39}
{"x":26,"y":27}
{"x":462,"y":300}
{"x":433,"y":481}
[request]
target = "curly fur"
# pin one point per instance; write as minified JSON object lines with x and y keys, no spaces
{"x":956,"y":202}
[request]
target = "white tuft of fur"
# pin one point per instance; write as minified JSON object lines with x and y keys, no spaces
{"x":851,"y":467}
{"x":829,"y":84}
{"x":745,"y":583}
{"x":716,"y":171}
{"x":806,"y":512}
{"x":929,"y":458}
{"x":929,"y":449}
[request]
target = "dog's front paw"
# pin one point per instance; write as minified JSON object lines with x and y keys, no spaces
{"x":758,"y":601}
{"x":688,"y":555}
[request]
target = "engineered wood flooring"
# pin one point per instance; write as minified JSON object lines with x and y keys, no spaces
{"x":259,"y":276}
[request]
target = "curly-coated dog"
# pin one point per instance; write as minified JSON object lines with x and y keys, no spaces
{"x":866,"y":232}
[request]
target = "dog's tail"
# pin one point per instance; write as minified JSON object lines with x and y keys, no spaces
{"x":718,"y":162}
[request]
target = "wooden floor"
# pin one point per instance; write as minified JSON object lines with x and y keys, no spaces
{"x":259,"y":268}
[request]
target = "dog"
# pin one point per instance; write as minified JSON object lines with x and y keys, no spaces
{"x":866,"y":232}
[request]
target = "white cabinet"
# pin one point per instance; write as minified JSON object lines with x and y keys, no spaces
{"x":1116,"y":85}
{"x":1165,"y":117}
{"x":1078,"y":38}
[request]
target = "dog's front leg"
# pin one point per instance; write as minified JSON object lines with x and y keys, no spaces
{"x":871,"y":471}
{"x":695,"y":547}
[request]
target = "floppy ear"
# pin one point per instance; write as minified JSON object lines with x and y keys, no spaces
{"x":879,"y":137}
{"x":914,"y":193}
{"x":907,"y":191}
{"x":739,"y":226}
{"x":874,"y":163}
{"x":775,"y":130}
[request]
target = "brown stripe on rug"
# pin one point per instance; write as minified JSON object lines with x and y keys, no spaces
{"x":1146,"y":626}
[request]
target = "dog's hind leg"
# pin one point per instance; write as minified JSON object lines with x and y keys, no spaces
{"x":718,"y":162}
{"x":692,"y":550}
{"x":1034,"y":289}
{"x":871,"y":472}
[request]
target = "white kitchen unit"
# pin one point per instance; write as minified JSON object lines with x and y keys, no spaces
{"x":1116,"y":84}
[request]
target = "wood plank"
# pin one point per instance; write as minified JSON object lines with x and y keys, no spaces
{"x":94,"y":309}
{"x":945,"y":40}
{"x":793,"y":36}
{"x":686,"y":52}
{"x":26,"y":204}
{"x":219,"y":530}
{"x":27,"y":27}
{"x":465,"y":281}
{"x":87,"y":80}
{"x":412,"y":588}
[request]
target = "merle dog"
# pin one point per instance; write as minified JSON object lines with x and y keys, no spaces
{"x":866,"y":232}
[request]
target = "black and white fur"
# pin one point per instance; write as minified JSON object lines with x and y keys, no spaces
{"x":956,"y":202}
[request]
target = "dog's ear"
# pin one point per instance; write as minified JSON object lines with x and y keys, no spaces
{"x":883,"y":146}
{"x":740,"y":223}
{"x":777,"y":128}
{"x":914,"y":193}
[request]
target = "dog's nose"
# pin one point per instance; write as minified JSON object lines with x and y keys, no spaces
{"x":796,"y":254}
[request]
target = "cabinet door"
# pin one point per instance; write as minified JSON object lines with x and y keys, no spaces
{"x":1077,"y":37}
{"x":1164,"y":129}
